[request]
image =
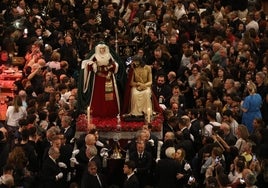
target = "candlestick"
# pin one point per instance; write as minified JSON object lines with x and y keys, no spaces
{"x":116,"y":42}
{"x":149,"y":115}
{"x":88,"y":115}
{"x":118,"y":119}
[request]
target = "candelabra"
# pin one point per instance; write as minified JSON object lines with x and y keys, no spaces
{"x":117,"y":150}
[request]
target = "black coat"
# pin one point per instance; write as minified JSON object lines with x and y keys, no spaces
{"x":4,"y":151}
{"x":131,"y":182}
{"x":68,"y":133}
{"x":166,"y":171}
{"x":163,"y":90}
{"x":196,"y":131}
{"x":143,"y":166}
{"x":48,"y":174}
{"x":92,"y":181}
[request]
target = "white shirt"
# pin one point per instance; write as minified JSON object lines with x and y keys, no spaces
{"x":234,"y":126}
{"x":179,"y":12}
{"x":53,"y":65}
{"x":12,"y":117}
{"x":208,"y":127}
{"x":128,"y":176}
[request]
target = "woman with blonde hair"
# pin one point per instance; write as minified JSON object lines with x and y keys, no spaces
{"x":184,"y":168}
{"x":55,"y":61}
{"x":242,"y":136}
{"x":14,"y":113}
{"x":251,"y":106}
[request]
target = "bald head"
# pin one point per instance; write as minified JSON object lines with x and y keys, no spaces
{"x":225,"y":127}
{"x":90,"y":139}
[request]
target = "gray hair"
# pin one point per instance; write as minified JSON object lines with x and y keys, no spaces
{"x":250,"y":179}
{"x":170,"y":152}
{"x":91,"y":150}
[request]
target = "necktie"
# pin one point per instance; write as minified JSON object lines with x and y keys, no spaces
{"x":140,"y":155}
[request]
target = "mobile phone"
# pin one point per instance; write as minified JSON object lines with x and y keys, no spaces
{"x":217,"y":160}
{"x":254,"y":158}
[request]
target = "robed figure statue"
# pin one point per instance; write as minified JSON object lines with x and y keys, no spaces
{"x":101,"y":82}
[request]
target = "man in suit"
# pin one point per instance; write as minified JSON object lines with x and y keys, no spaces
{"x":91,"y":154}
{"x":51,"y":173}
{"x":171,"y":126}
{"x":226,"y":134}
{"x":132,"y":180}
{"x":195,"y":129}
{"x":152,"y":140}
{"x":67,"y":129}
{"x":143,"y":161}
{"x":166,"y":170}
{"x":185,"y":139}
{"x":161,"y":89}
{"x":89,"y":140}
{"x":91,"y":178}
{"x":184,"y":123}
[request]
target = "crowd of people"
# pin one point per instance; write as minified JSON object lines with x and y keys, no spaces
{"x":202,"y":64}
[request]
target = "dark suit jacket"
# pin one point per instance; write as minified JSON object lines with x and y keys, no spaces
{"x":143,"y":166}
{"x":186,"y":134}
{"x":195,"y":130}
{"x":4,"y":151}
{"x":153,"y":148}
{"x":49,"y":171}
{"x":167,"y":128}
{"x":32,"y":157}
{"x":131,"y":182}
{"x":166,"y":171}
{"x":68,"y":134}
{"x":65,"y":154}
{"x":230,"y":139}
{"x":166,"y":144}
{"x":164,"y":90}
{"x":91,"y":181}
{"x":83,"y":162}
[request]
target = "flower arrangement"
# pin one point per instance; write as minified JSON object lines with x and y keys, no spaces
{"x":82,"y":123}
{"x":111,"y":124}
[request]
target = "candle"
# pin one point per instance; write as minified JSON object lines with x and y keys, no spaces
{"x":149,"y":115}
{"x":88,"y":115}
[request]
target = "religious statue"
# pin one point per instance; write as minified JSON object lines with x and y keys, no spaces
{"x":140,"y":92}
{"x":99,"y":86}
